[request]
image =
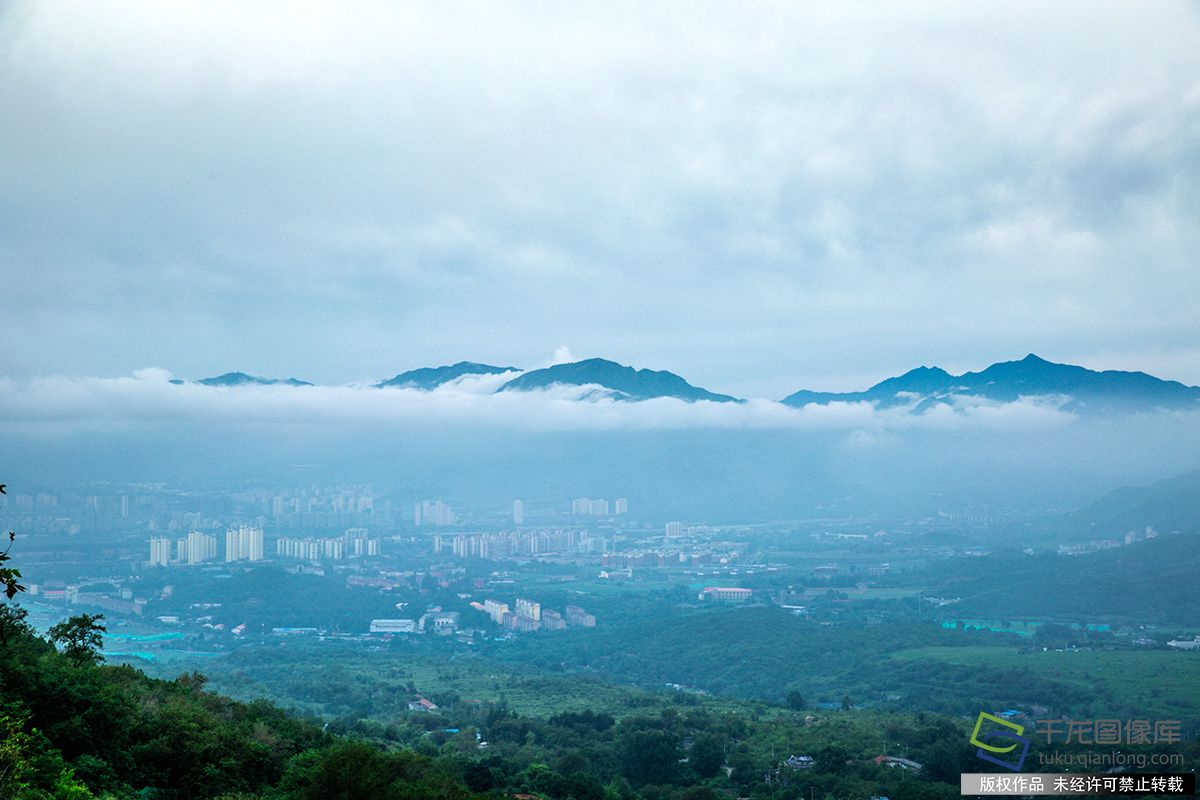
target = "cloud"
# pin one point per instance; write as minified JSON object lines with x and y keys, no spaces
{"x":479,"y":384}
{"x":562,"y":355}
{"x":150,"y":398}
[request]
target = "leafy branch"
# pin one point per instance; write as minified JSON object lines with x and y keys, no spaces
{"x":9,"y":576}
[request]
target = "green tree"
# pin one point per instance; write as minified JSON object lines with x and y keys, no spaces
{"x":619,"y":789}
{"x":946,"y":759}
{"x":81,"y":637}
{"x":67,"y":787}
{"x":346,"y":771}
{"x":25,"y":761}
{"x":649,"y":756}
{"x":12,"y":623}
{"x":479,"y":777}
{"x":745,"y":769}
{"x":795,"y":700}
{"x":15,"y":769}
{"x":584,"y":787}
{"x":707,"y":755}
{"x":833,"y":758}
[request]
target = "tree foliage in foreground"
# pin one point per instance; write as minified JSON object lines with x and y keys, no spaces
{"x":80,"y":637}
{"x":9,"y":576}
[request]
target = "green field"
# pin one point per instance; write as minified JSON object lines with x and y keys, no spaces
{"x":537,"y":695}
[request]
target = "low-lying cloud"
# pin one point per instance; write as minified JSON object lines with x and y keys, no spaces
{"x":149,"y":397}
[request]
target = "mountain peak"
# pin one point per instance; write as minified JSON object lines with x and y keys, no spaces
{"x":626,"y":382}
{"x":924,"y":372}
{"x":428,"y":378}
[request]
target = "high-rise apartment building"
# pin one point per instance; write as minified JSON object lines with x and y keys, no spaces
{"x":160,"y":551}
{"x":433,"y":512}
{"x":585,"y":506}
{"x":496,"y":610}
{"x":196,"y":548}
{"x":310,"y":549}
{"x":529,"y":608}
{"x":244,"y":543}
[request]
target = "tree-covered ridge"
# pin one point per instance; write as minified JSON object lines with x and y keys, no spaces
{"x":73,"y":728}
{"x":1154,"y":581}
{"x":76,"y":728}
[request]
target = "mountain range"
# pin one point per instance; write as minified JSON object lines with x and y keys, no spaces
{"x":1080,"y":389}
{"x":243,"y":379}
{"x":620,"y":381}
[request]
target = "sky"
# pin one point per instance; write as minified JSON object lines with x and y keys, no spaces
{"x":760,"y":197}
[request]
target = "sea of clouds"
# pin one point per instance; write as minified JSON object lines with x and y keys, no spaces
{"x":149,"y":396}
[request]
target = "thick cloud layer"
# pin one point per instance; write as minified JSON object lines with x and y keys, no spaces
{"x":761,"y":198}
{"x":478,"y":449}
{"x":149,"y":397}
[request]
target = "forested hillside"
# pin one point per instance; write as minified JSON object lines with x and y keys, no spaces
{"x":1154,"y":581}
{"x":73,"y":728}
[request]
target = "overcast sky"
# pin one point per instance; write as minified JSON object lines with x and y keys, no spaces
{"x":759,"y":197}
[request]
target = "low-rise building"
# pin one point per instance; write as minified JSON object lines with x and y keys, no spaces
{"x":529,"y":608}
{"x":897,"y":761}
{"x":393,"y":626}
{"x":1185,"y":644}
{"x":439,"y":622}
{"x":421,"y":704}
{"x":726,"y":594}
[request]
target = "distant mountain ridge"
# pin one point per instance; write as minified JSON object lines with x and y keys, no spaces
{"x":625,"y":383}
{"x":1007,"y":381}
{"x":243,"y":379}
{"x":429,"y":378}
{"x":1168,"y":506}
{"x":1081,"y":390}
{"x":1155,"y":580}
{"x":922,"y":380}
